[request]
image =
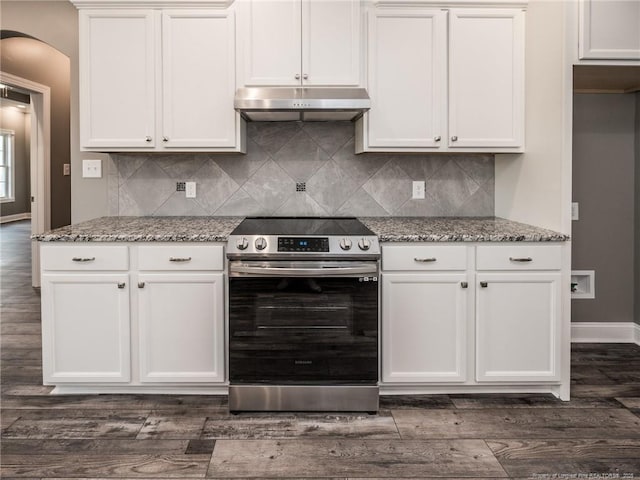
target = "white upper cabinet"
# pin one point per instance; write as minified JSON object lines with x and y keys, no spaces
{"x":117,"y":78}
{"x":300,"y":42}
{"x":609,"y":30}
{"x":198,"y":79}
{"x":331,"y":42}
{"x":444,"y":80}
{"x":158,"y":79}
{"x":486,"y":78}
{"x":407,"y":77}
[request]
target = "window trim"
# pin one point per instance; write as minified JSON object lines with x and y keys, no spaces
{"x":10,"y":164}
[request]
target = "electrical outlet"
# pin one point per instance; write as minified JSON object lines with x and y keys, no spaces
{"x":418,"y":189}
{"x":191,"y":189}
{"x":575,"y":211}
{"x":66,"y":169}
{"x":91,"y":168}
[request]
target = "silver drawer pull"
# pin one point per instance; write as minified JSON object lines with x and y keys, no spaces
{"x":140,"y":284}
{"x":424,"y":260}
{"x":520,"y":259}
{"x":121,"y":285}
{"x":179,"y":259}
{"x":83,"y":259}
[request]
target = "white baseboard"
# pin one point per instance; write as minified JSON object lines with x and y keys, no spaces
{"x":15,"y":218}
{"x":605,"y":332}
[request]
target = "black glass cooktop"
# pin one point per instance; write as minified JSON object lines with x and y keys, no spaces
{"x":301,"y":226}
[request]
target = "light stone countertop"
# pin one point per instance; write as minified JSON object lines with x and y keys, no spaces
{"x":145,"y":229}
{"x":457,"y":229}
{"x":217,"y":229}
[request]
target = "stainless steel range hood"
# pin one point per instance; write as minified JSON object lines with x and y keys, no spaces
{"x":301,"y":103}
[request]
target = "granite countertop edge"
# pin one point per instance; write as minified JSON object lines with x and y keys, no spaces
{"x":217,"y":229}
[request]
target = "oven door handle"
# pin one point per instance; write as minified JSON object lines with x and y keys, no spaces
{"x":270,"y":271}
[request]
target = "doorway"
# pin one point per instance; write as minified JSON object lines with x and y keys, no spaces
{"x":40,"y":128}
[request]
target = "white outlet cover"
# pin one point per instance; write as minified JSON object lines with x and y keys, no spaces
{"x":418,"y":190}
{"x":190,"y":189}
{"x":91,"y":168}
{"x":575,"y":211}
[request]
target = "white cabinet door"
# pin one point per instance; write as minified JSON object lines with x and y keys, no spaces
{"x":85,"y":328}
{"x":609,"y":30}
{"x":331,"y":42}
{"x":272,"y":45}
{"x":486,"y":78}
{"x":407,"y":75}
{"x":117,"y":78}
{"x":181,"y":327}
{"x":424,"y":318}
{"x":518,"y":327}
{"x":198,"y":79}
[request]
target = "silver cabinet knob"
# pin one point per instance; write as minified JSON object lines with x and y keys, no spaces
{"x":242,"y":243}
{"x":464,"y":284}
{"x":364,"y":244}
{"x":484,"y":284}
{"x":165,"y":139}
{"x":261,"y":243}
{"x":147,"y":138}
{"x":454,"y":138}
{"x":297,"y":76}
{"x":140,"y":284}
{"x":345,"y":244}
{"x":121,"y":285}
{"x":437,"y":139}
{"x":305,"y":76}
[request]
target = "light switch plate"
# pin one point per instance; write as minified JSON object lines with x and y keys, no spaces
{"x":190,"y":189}
{"x":575,"y":211}
{"x":91,"y":168}
{"x":66,"y":169}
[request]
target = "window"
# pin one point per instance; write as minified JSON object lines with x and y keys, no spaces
{"x":6,"y":166}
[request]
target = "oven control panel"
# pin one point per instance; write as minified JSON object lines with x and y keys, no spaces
{"x":243,"y":246}
{"x":306,"y":244}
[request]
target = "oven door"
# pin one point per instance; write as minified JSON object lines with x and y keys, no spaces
{"x":303,"y":323}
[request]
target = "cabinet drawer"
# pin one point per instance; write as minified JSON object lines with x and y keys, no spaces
{"x":181,"y":257}
{"x":84,"y":257}
{"x":424,"y":257}
{"x":519,"y":257}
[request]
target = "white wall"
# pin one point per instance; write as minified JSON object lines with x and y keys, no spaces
{"x":534,"y":187}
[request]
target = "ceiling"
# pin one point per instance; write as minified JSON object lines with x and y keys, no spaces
{"x":605,"y":79}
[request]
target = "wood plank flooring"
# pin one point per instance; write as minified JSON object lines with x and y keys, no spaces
{"x":595,"y":435}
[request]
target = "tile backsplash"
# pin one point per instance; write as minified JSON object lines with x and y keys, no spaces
{"x":297,"y":168}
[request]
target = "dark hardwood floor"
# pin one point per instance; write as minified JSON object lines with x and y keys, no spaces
{"x":596,"y":435}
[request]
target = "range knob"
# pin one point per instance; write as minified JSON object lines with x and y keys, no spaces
{"x":242,"y":243}
{"x":345,"y":244}
{"x":261,"y":243}
{"x":364,"y":244}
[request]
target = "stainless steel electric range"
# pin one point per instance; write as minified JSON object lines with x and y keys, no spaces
{"x":303,"y":315}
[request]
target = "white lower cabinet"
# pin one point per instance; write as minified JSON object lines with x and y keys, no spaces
{"x":424,"y":327}
{"x":180,"y":320}
{"x":438,"y":299}
{"x":85,"y":328}
{"x":133,"y":315}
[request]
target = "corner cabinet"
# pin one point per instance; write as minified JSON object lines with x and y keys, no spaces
{"x":300,"y":42}
{"x":133,"y":316}
{"x":444,"y":80}
{"x":158,"y":80}
{"x":483,"y":317}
